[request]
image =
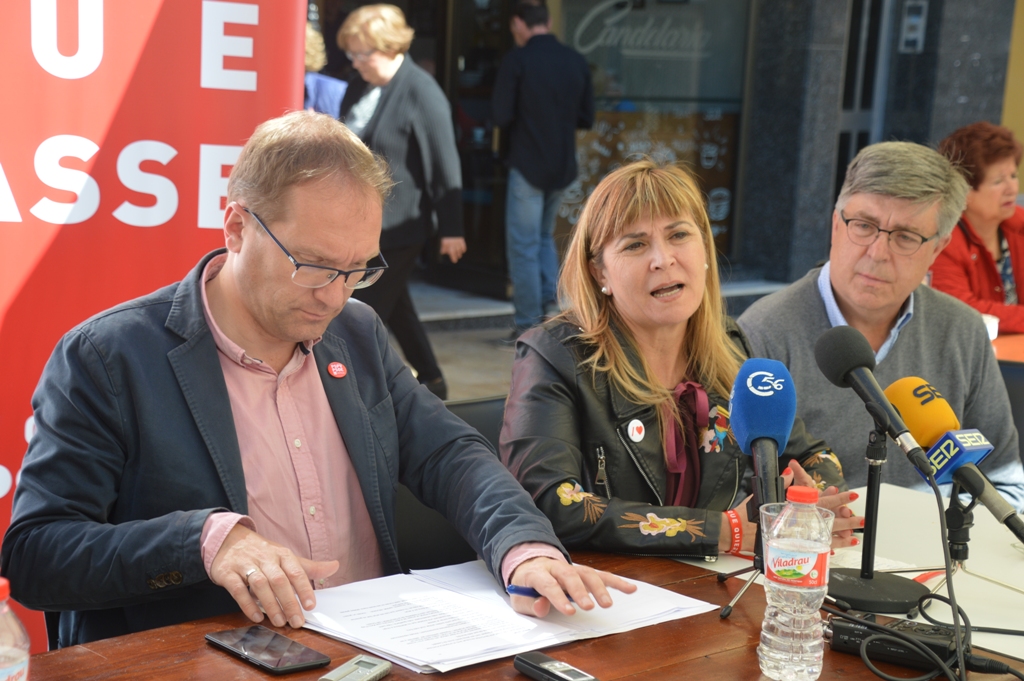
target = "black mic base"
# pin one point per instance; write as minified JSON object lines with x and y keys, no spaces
{"x":883,"y":593}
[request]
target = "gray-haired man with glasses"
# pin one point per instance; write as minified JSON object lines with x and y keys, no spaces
{"x":895,"y":212}
{"x":234,"y":441}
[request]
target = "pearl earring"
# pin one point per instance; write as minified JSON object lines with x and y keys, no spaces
{"x":604,"y":290}
{"x":706,"y":266}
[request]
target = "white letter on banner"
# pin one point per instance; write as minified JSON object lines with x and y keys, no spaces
{"x":216,"y":45}
{"x":213,"y":186}
{"x":52,"y":174}
{"x":134,"y":178}
{"x":8,"y":207}
{"x":90,"y":39}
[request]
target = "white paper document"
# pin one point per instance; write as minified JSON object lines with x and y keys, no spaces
{"x":437,"y":620}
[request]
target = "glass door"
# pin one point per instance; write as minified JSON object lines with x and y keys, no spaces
{"x":479,"y":38}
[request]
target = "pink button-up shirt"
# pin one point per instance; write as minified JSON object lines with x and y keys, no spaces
{"x":302,"y":490}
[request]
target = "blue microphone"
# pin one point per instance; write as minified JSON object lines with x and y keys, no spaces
{"x":762,"y":407}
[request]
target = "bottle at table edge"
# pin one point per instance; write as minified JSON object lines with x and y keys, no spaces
{"x":14,"y":646}
{"x":797,"y":549}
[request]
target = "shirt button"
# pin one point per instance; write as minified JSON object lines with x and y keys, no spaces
{"x":298,"y":442}
{"x":312,"y":510}
{"x":974,"y":256}
{"x":246,"y":360}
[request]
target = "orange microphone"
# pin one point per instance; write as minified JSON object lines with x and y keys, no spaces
{"x":953,"y":453}
{"x":925,"y":411}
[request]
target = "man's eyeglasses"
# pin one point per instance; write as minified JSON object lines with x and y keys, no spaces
{"x":318,"y":276}
{"x":901,"y":241}
{"x":359,"y":56}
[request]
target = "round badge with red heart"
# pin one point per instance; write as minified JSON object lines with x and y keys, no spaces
{"x":635,"y":430}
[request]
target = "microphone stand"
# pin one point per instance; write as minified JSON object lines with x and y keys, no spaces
{"x":754,"y":516}
{"x":865,"y":589}
{"x":959,"y":521}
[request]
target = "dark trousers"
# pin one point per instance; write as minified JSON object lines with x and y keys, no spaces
{"x":389,"y":297}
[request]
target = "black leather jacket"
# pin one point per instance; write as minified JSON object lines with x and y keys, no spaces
{"x":566,"y":438}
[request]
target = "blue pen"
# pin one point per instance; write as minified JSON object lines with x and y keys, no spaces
{"x":526,"y":591}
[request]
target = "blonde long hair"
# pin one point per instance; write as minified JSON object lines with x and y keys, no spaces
{"x":640,"y":191}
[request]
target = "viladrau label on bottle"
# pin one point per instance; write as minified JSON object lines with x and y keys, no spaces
{"x":795,"y":568}
{"x":16,"y":672}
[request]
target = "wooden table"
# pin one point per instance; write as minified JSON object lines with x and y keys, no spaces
{"x":701,"y":647}
{"x":1010,"y":348}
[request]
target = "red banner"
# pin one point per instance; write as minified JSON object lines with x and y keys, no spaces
{"x":119,"y":123}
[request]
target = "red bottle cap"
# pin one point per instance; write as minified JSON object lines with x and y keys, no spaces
{"x":802,"y":495}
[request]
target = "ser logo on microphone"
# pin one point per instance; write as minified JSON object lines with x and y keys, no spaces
{"x":764,"y":383}
{"x":926,"y":392}
{"x":939,"y":456}
{"x":946,"y":449}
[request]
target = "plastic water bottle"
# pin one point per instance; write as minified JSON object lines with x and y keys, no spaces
{"x":13,"y":640}
{"x":797,"y":547}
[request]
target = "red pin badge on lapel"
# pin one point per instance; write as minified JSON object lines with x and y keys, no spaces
{"x":635,"y":430}
{"x":337,"y":369}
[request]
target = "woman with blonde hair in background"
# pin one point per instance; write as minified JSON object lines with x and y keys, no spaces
{"x":322,"y":93}
{"x":401,"y":113}
{"x":617,"y":419}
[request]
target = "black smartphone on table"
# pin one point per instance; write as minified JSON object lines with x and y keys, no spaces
{"x":267,"y":649}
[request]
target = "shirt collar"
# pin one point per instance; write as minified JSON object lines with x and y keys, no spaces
{"x":836,"y":318}
{"x":231,"y":349}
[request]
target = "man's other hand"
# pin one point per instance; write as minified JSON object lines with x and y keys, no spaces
{"x":453,"y":246}
{"x":553,"y":579}
{"x":252,"y":568}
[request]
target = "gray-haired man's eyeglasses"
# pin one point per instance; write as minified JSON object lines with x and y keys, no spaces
{"x":901,"y":241}
{"x":318,"y":276}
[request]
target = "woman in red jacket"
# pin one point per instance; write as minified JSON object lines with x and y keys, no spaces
{"x":981,"y":263}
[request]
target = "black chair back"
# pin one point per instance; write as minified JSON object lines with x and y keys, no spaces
{"x":1013,"y":376}
{"x":425,"y":538}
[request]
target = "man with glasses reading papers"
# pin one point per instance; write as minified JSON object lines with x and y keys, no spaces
{"x":235,"y":440}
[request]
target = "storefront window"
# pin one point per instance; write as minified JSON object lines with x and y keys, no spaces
{"x":668,"y":80}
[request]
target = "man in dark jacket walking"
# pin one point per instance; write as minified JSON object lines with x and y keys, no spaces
{"x":542,"y":95}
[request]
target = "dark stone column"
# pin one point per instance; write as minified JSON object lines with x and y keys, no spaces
{"x":974,"y":50}
{"x":960,"y":77}
{"x":794,"y":108}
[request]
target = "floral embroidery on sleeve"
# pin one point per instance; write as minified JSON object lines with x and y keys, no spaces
{"x":670,"y":527}
{"x":571,"y":493}
{"x":824,"y":457}
{"x":714,"y":436}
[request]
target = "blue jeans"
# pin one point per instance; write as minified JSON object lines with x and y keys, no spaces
{"x":529,"y":240}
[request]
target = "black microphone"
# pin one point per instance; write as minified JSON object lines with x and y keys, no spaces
{"x":980,"y":487}
{"x":846,"y":359}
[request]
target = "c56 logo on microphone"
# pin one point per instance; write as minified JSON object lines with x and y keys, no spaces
{"x":764,"y":383}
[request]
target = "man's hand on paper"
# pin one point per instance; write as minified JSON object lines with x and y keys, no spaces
{"x":554,"y":579}
{"x":248,"y":565}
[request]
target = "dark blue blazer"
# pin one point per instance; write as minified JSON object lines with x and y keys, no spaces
{"x":136,"y":446}
{"x":542,"y":94}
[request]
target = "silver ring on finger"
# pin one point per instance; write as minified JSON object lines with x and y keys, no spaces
{"x":249,"y":573}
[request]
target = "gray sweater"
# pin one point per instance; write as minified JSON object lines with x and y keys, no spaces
{"x":945,"y":343}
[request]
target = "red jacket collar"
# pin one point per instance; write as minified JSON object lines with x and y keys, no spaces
{"x":1013,"y":224}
